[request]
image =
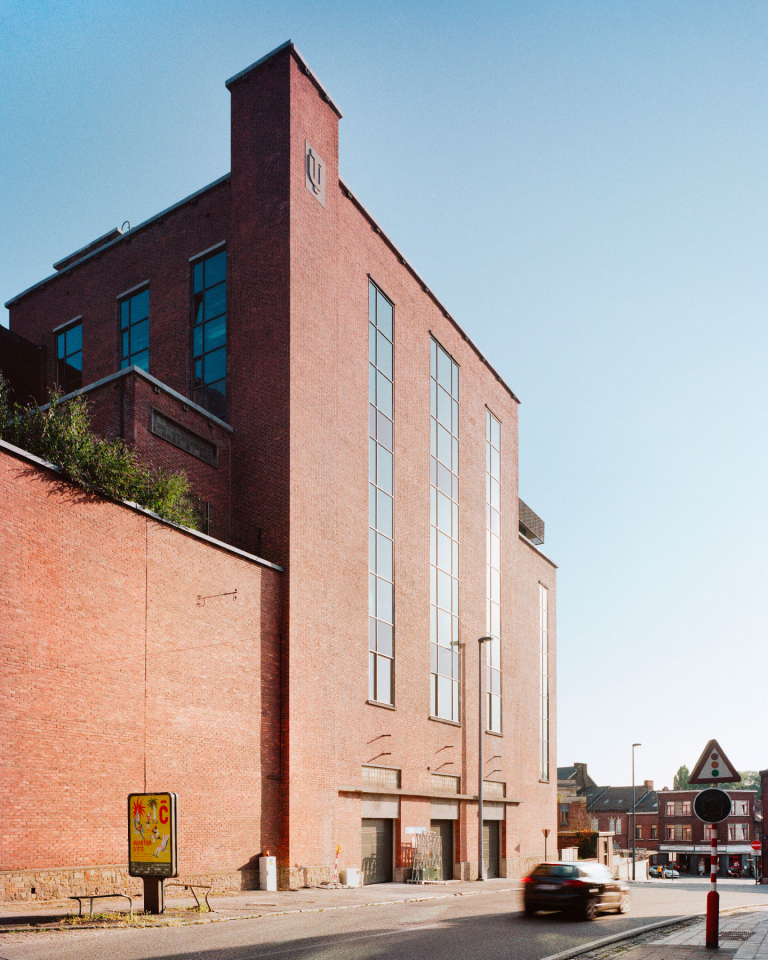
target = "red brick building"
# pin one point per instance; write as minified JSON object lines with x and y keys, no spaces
{"x":610,"y":809}
{"x":266,"y":335}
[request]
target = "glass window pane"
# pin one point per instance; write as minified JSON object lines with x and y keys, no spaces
{"x":372,"y":343}
{"x":371,"y":384}
{"x":444,"y":590}
{"x":455,"y":390}
{"x":444,"y":479}
{"x":384,"y":600}
{"x":61,"y":342}
{"x":197,"y":341}
{"x":433,"y":658}
{"x":197,"y":277}
{"x":215,"y":333}
{"x":443,"y":446}
{"x":443,"y":513}
{"x":384,"y":356}
{"x":140,"y":336}
{"x":455,"y":419}
{"x":384,"y":557}
{"x":433,"y":359}
{"x":443,"y":369}
{"x":444,"y":661}
{"x":444,"y":698}
{"x":215,"y":301}
{"x":495,"y":464}
{"x":444,"y":628}
{"x":384,"y":469}
{"x":384,"y":395}
{"x":74,"y":339}
{"x":372,"y":550}
{"x":384,"y":316}
{"x":198,"y":371}
{"x":495,"y":432}
{"x":372,"y":506}
{"x":383,"y":680}
{"x":125,"y":314}
{"x":216,"y":269}
{"x":455,"y":701}
{"x":372,"y":633}
{"x":384,"y":513}
{"x":125,"y":362}
{"x":371,"y":303}
{"x":444,"y":408}
{"x":444,"y":552}
{"x":140,"y":306}
{"x":384,"y":432}
{"x":141,"y":360}
{"x":372,"y":676}
{"x":215,"y":365}
{"x":126,"y":343}
{"x":75,"y":361}
{"x":495,"y":714}
{"x":384,"y":637}
{"x":372,"y":594}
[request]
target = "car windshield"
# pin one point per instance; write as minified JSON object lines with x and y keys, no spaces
{"x":596,"y":871}
{"x":554,"y":870}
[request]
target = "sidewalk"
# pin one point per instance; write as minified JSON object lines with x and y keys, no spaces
{"x":248,"y":904}
{"x":743,"y":936}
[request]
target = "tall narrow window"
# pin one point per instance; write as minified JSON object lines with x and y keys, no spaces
{"x":493,"y":566}
{"x":381,"y":606}
{"x":444,"y":534}
{"x":134,"y":331}
{"x":69,"y":362}
{"x":544,"y":691}
{"x":209,"y":334}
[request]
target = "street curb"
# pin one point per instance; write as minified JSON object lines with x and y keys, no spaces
{"x":639,"y":931}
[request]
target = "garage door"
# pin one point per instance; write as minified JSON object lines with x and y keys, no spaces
{"x":377,"y":851}
{"x":444,"y":828}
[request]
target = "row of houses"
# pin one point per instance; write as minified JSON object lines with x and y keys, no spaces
{"x":665,"y":827}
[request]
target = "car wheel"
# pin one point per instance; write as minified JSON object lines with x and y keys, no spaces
{"x":589,"y":911}
{"x":623,"y":904}
{"x":529,"y":910}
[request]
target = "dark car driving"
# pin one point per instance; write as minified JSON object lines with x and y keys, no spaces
{"x":582,"y":889}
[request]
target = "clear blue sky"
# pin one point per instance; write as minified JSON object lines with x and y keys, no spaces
{"x":584,"y":185}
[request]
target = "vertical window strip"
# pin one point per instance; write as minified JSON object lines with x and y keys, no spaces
{"x":209,"y":333}
{"x":381,"y":604}
{"x":69,"y":358}
{"x":444,"y":534}
{"x":493,"y":565}
{"x":134,"y":331}
{"x":544,"y":670}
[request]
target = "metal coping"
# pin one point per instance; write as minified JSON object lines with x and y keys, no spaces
{"x":288,"y":45}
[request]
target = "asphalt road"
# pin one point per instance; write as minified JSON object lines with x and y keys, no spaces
{"x":487,"y":927}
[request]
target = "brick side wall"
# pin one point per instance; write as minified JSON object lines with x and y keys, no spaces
{"x":137,"y":398}
{"x":117,"y":676}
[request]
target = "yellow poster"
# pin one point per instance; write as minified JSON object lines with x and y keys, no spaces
{"x":149,"y":828}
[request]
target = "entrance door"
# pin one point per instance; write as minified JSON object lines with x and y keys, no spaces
{"x":491,"y":848}
{"x":377,"y":851}
{"x":445,"y":830}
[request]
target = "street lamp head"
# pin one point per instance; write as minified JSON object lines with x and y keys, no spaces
{"x":485,"y":639}
{"x":637,"y":744}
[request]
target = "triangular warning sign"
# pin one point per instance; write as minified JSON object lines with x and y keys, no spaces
{"x":714,"y":767}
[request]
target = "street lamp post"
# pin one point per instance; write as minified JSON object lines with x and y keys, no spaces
{"x":480,"y":698}
{"x":634,"y":832}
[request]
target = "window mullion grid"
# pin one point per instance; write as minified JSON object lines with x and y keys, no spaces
{"x":493,"y":564}
{"x":444,"y":535}
{"x":381,"y":614}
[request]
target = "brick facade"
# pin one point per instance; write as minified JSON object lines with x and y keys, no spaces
{"x":298,"y":276}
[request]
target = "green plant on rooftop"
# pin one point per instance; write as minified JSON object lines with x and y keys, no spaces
{"x":61,"y":434}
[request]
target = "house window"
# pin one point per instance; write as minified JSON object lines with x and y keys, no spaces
{"x":654,"y":832}
{"x":707,"y":831}
{"x":69,"y":362}
{"x":381,"y":604}
{"x":639,"y":831}
{"x":740,"y":808}
{"x":686,"y":808}
{"x":612,"y":825}
{"x":209,"y":333}
{"x":738,"y":831}
{"x":493,"y":567}
{"x":678,"y":831}
{"x":134,"y":331}
{"x":595,"y":825}
{"x":564,"y":809}
{"x":544,"y":682}
{"x":618,"y":825}
{"x":444,"y":534}
{"x":678,"y":808}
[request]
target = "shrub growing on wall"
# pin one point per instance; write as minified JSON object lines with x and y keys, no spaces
{"x":61,"y":434}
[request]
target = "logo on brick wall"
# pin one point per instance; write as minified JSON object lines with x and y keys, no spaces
{"x":314,"y":169}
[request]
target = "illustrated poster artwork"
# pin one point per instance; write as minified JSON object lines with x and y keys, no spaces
{"x":150,"y":829}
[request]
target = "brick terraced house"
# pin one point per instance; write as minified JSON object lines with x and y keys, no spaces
{"x":266,"y":336}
